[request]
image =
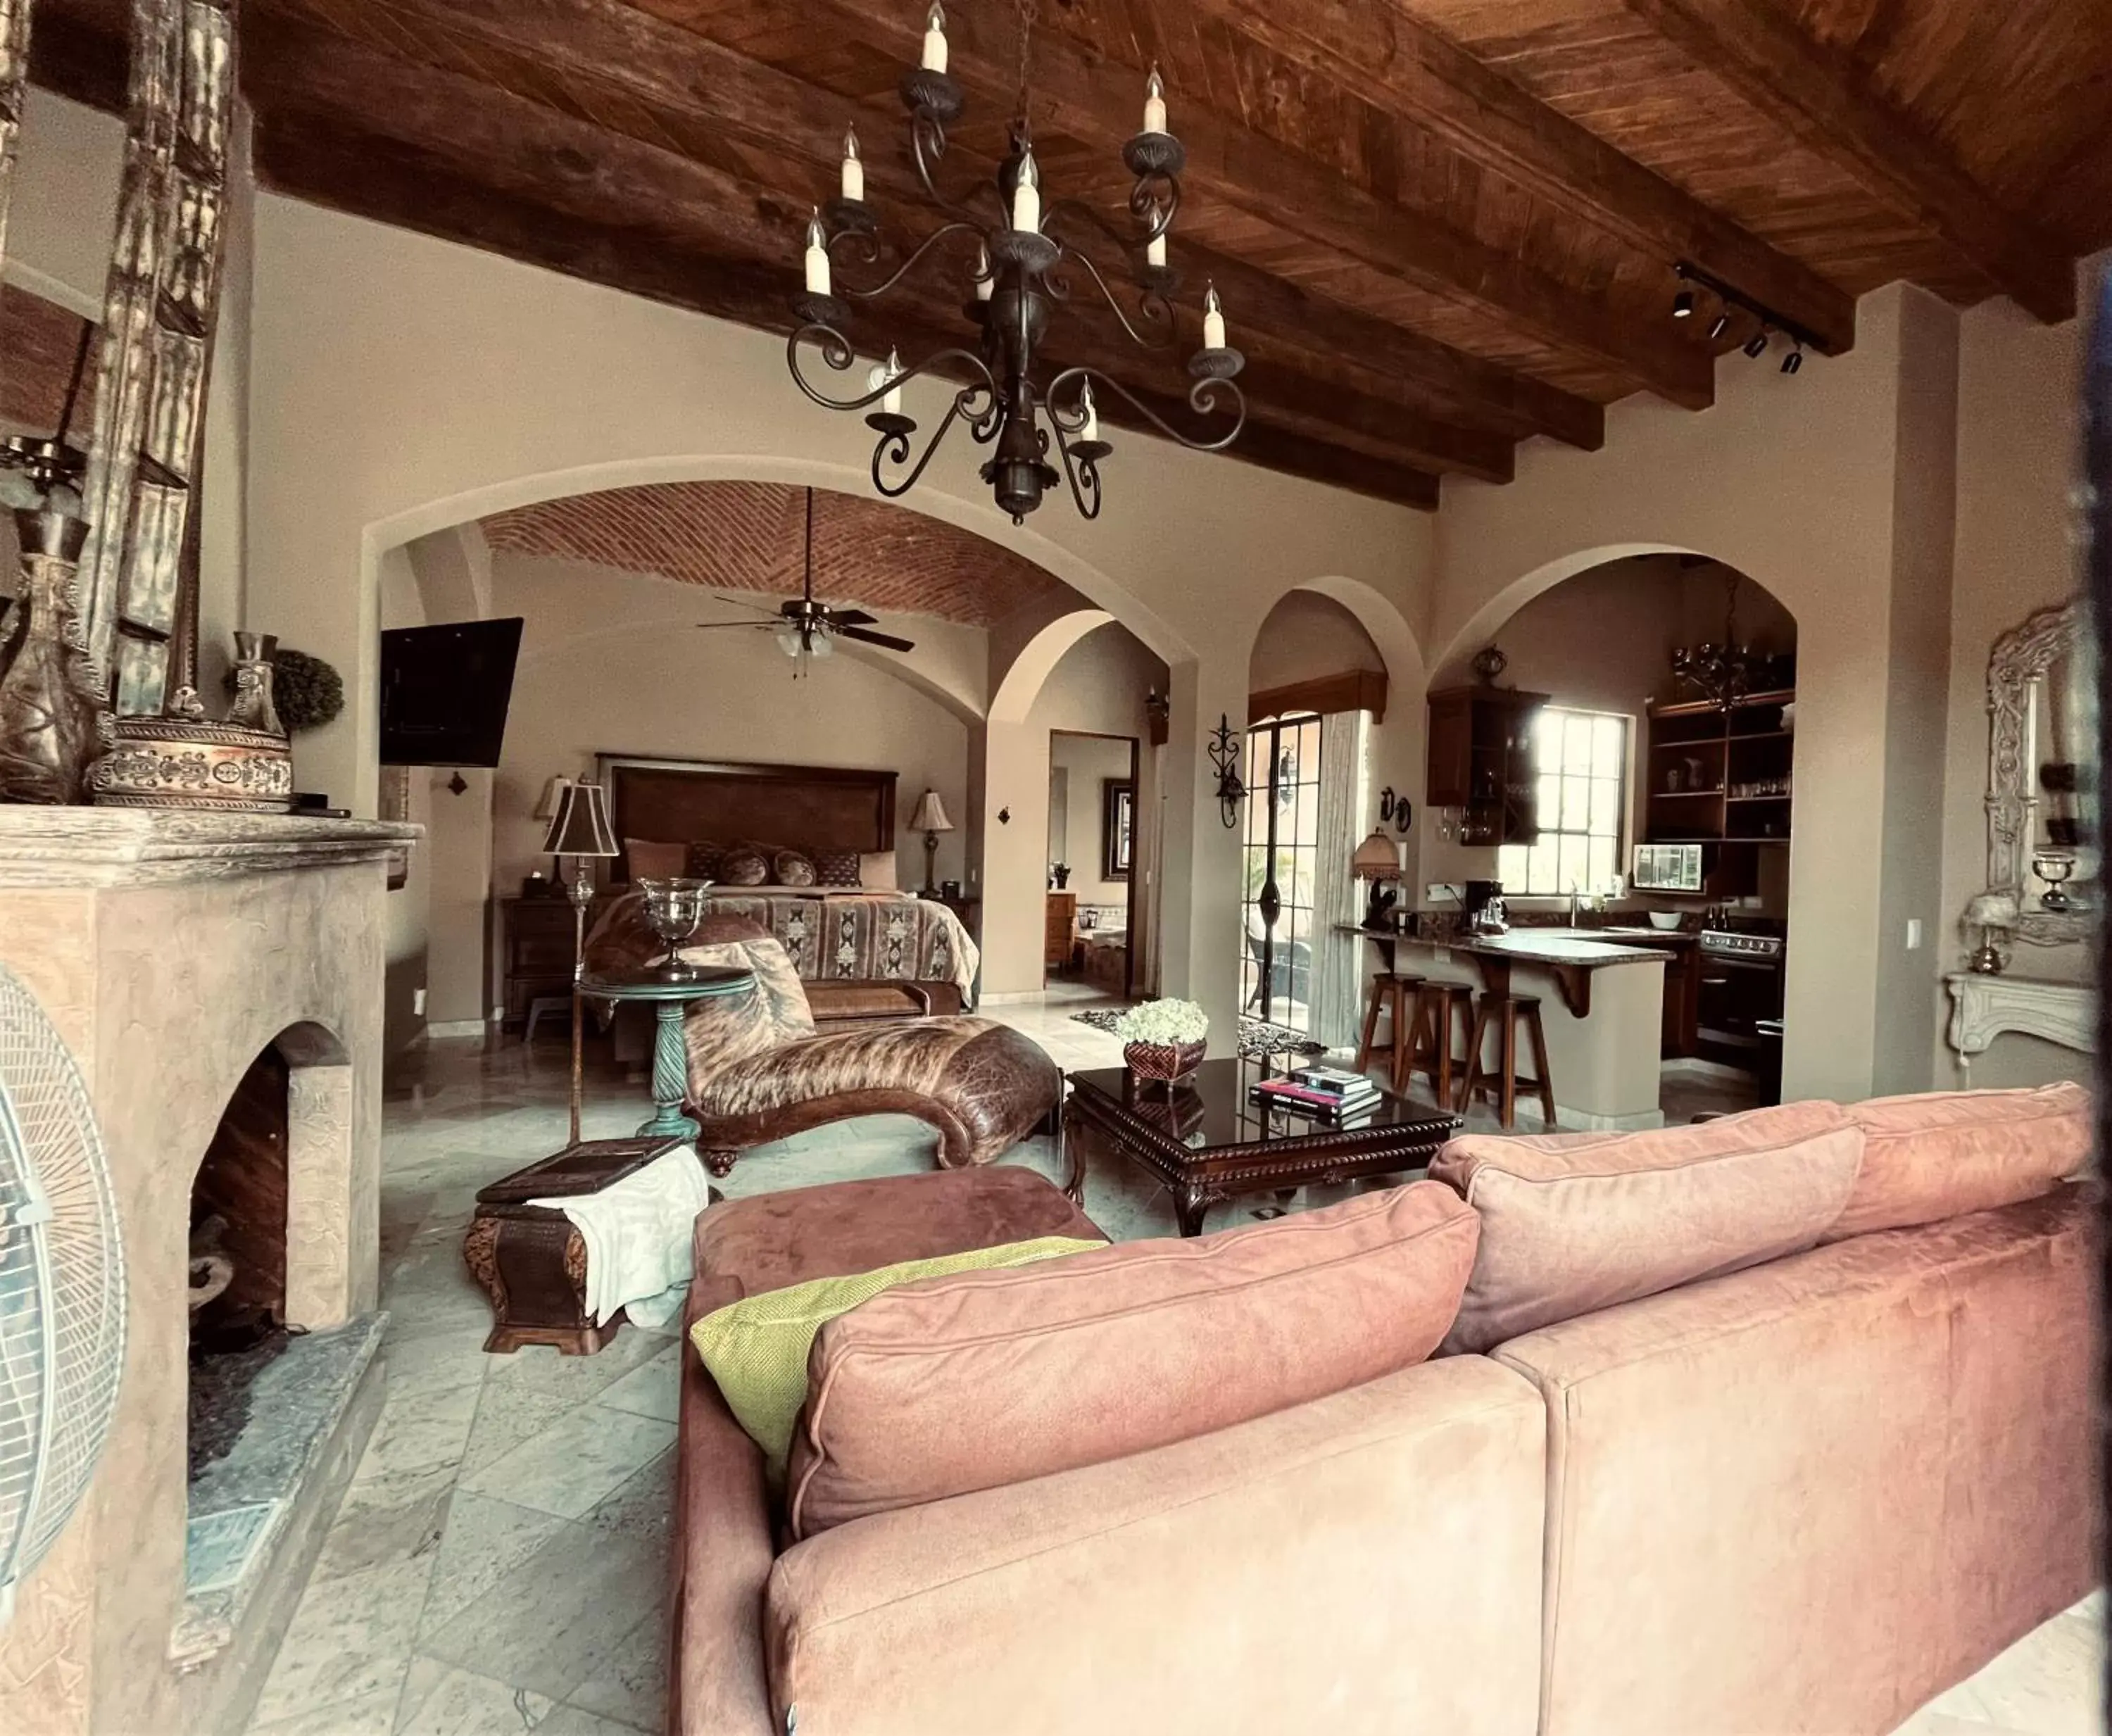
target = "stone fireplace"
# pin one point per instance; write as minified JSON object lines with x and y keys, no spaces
{"x":218,"y":980}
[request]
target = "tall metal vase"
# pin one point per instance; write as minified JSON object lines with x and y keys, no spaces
{"x":254,"y":706}
{"x":53,"y":722}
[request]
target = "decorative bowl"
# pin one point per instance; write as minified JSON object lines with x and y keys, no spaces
{"x":1164,"y":1063}
{"x":1664,"y":921}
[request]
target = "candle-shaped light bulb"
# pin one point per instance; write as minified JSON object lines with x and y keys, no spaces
{"x":985,"y":278}
{"x":818,"y":258}
{"x":1155,"y":250}
{"x":882,"y":373}
{"x":854,"y":169}
{"x":934,"y":38}
{"x":1091,"y":430}
{"x":1154,"y":102}
{"x":1027,"y":195}
{"x":1214,"y":319}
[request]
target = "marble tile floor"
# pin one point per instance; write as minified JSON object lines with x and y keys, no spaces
{"x":499,"y":1562}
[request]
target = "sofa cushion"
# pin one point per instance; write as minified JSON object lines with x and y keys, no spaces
{"x":757,"y":1347}
{"x":722,"y":1028}
{"x":986,"y":1380}
{"x":1571,"y":1222}
{"x":1938,"y":1155}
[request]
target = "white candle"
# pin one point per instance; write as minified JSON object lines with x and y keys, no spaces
{"x":1091,"y":430}
{"x":1154,"y":102}
{"x":1214,"y":319}
{"x":1027,"y":196}
{"x":986,"y":278}
{"x":882,"y":372}
{"x":818,"y":259}
{"x":1155,"y":250}
{"x":934,"y":38}
{"x":853,"y":170}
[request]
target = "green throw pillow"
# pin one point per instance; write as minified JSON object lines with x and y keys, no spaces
{"x":756,"y":1348}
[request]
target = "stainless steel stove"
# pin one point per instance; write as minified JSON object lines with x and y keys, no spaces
{"x":1740,"y":1006}
{"x":1734,"y":943}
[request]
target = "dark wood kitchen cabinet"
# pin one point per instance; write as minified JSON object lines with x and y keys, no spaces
{"x":1481,"y":762}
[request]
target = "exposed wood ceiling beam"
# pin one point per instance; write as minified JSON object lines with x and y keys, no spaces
{"x":1374,"y":50}
{"x":1245,"y":170}
{"x":333,"y":156}
{"x":514,"y":143}
{"x":72,"y":52}
{"x":1761,"y":52}
{"x":631,"y":72}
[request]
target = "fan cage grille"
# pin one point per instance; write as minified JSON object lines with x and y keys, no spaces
{"x":62,"y":1286}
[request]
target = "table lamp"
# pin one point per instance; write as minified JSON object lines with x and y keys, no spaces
{"x":930,"y":819}
{"x":579,"y":829}
{"x":1377,"y":860}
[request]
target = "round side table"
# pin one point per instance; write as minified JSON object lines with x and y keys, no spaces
{"x":671,"y":1056}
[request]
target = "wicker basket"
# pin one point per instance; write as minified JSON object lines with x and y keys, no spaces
{"x":1164,"y":1064}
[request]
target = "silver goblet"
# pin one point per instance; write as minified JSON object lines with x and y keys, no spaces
{"x":673,"y":908}
{"x":2054,"y":868}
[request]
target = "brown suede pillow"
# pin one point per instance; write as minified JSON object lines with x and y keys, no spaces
{"x":1939,"y":1155}
{"x":981,"y":1379}
{"x":835,"y":867}
{"x":648,"y":860}
{"x":792,"y":868}
{"x":1572,"y":1223}
{"x":744,"y":866}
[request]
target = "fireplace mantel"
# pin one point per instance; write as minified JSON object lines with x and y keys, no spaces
{"x":147,"y":847}
{"x":1983,"y":1006}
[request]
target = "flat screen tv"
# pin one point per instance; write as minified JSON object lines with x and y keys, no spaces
{"x":444,"y":691}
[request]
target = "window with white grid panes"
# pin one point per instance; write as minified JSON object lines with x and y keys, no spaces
{"x":1581,"y":767}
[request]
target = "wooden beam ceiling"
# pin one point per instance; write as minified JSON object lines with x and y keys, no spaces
{"x":1825,"y":101}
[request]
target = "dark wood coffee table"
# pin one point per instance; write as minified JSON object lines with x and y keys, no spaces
{"x":1205,"y":1142}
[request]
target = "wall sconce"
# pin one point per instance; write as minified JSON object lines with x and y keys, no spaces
{"x":1397,"y":808}
{"x":1223,"y":747}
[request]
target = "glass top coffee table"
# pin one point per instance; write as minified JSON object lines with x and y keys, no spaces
{"x":1205,"y":1142}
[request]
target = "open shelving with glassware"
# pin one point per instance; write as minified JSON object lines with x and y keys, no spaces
{"x":1721,"y":776}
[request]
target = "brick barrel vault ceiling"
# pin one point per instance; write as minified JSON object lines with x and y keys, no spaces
{"x":746,"y":536}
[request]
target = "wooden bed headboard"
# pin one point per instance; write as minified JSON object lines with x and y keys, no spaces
{"x":726,"y":802}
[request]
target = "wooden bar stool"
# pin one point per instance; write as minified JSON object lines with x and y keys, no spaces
{"x":1431,"y":1051}
{"x":1505,"y":1013}
{"x":1395,"y":993}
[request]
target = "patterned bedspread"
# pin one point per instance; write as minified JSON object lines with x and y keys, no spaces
{"x":837,"y":937}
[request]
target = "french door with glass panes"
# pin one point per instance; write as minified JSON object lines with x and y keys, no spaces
{"x":1282,"y":852}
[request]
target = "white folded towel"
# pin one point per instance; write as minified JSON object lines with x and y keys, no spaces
{"x":637,"y":1233}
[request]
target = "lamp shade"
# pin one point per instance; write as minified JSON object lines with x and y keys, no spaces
{"x":553,"y":793}
{"x":1377,"y":858}
{"x":580,"y":827}
{"x":931,"y":814}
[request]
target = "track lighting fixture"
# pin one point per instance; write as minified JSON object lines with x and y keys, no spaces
{"x":1692,"y":278}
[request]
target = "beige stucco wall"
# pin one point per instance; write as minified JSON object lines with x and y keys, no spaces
{"x":401,"y":384}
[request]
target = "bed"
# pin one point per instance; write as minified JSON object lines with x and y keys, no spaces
{"x":864,"y":949}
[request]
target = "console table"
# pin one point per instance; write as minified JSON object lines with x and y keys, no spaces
{"x":1983,"y":1006}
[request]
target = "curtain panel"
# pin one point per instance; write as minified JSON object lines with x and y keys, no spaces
{"x":1337,"y":898}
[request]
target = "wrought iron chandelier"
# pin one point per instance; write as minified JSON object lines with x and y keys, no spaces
{"x":1725,"y":672}
{"x":1020,"y":267}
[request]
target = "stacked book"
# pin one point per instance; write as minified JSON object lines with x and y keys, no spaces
{"x":1325,"y":1093}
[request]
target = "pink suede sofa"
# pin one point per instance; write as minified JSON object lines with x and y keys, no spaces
{"x":1779,"y":1424}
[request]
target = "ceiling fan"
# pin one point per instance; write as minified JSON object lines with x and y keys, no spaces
{"x":803,"y":627}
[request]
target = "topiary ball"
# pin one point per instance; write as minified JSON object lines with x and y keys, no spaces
{"x":307,"y":692}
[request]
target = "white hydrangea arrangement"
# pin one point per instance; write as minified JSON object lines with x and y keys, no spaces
{"x":1164,"y":1022}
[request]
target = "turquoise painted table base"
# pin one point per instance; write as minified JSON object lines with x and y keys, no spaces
{"x":671,"y":998}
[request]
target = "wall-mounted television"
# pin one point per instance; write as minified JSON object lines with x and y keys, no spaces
{"x":444,"y":691}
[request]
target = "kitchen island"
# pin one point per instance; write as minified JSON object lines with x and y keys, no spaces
{"x":1602,"y":1003}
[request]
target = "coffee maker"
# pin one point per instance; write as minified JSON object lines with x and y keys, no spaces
{"x":1483,"y":904}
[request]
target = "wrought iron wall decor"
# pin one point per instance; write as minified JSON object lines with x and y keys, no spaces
{"x":1024,"y":252}
{"x":1224,"y":748}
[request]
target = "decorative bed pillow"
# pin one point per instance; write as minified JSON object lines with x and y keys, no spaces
{"x":975,"y":1381}
{"x":744,"y":865}
{"x":723,"y":1028}
{"x":1572,"y":1223}
{"x":877,"y":871}
{"x":705,"y":858}
{"x":792,"y":868}
{"x":835,"y":867}
{"x":1938,"y":1155}
{"x":650,"y":861}
{"x":756,"y":1348}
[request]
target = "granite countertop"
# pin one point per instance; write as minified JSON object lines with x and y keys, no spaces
{"x":1530,"y":946}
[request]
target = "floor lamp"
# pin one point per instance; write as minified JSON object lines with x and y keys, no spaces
{"x":580,"y":830}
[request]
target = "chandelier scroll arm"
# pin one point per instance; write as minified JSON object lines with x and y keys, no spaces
{"x":892,"y":446}
{"x":1081,"y":473}
{"x":837,"y":354}
{"x":1206,"y":397}
{"x":1153,"y":308}
{"x":927,"y":147}
{"x":958,"y":227}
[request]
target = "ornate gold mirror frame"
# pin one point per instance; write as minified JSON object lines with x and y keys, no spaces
{"x":2016,"y":668}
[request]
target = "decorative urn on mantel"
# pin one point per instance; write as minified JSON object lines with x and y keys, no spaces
{"x":52,"y":726}
{"x":244,"y":765}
